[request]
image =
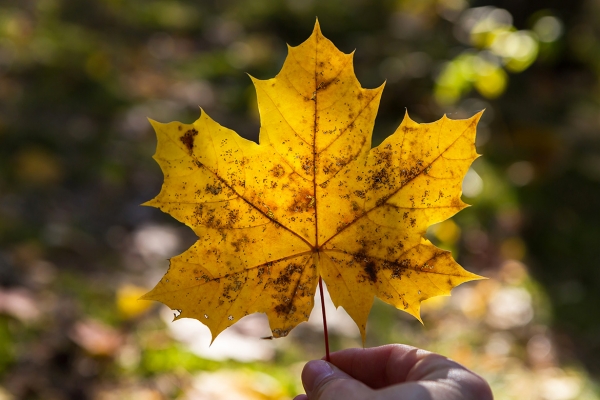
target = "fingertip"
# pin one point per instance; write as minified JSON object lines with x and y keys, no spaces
{"x":324,"y":381}
{"x":474,"y":384}
{"x":314,"y":373}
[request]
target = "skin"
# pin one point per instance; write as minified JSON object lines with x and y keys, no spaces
{"x":391,"y":372}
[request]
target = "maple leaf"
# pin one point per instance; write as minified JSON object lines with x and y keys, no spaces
{"x":311,"y":200}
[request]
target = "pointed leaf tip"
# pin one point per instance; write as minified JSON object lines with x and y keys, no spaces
{"x":146,"y":296}
{"x":150,"y":203}
{"x":154,"y":123}
{"x":478,"y":115}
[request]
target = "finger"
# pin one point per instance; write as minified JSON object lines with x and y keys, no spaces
{"x":448,"y":389}
{"x":301,"y":397}
{"x":389,"y":365}
{"x":379,"y":366}
{"x":323,"y":381}
{"x":445,"y":376}
{"x":423,"y":391}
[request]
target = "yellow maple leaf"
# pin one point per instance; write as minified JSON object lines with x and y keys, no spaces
{"x":311,"y":200}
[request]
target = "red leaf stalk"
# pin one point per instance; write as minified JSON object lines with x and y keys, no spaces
{"x":324,"y":321}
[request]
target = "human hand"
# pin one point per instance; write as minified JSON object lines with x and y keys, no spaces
{"x":391,"y":372}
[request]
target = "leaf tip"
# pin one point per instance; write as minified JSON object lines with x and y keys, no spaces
{"x":147,"y":296}
{"x":213,"y":336}
{"x":407,"y":119}
{"x":416,"y":312}
{"x":317,"y":28}
{"x":475,"y":277}
{"x":478,"y":115}
{"x":468,"y":277}
{"x":155,"y":124}
{"x":150,"y":203}
{"x":204,"y":117}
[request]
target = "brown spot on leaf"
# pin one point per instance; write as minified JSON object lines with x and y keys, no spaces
{"x":284,"y":309}
{"x":380,"y":178}
{"x":385,"y":157}
{"x":397,"y":267}
{"x":368,"y":264}
{"x":302,"y":201}
{"x":232,"y":217}
{"x":212,"y":221}
{"x":277,"y":332}
{"x":214,"y":189}
{"x":371,"y":271}
{"x":308,"y":166}
{"x":277,"y":171}
{"x":240,"y":243}
{"x":381,"y":201}
{"x":188,"y":139}
{"x":360,"y":193}
{"x":285,"y":278}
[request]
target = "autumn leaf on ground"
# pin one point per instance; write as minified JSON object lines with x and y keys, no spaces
{"x":311,"y":200}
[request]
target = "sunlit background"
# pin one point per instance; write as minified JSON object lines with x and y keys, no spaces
{"x":78,"y":80}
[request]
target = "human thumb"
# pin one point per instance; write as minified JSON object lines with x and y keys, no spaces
{"x":324,"y":381}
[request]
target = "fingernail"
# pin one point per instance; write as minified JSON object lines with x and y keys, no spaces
{"x":313,"y":374}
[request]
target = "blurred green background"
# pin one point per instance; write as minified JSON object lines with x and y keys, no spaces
{"x":78,"y":80}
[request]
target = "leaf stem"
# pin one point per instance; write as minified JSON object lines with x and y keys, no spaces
{"x":324,"y":321}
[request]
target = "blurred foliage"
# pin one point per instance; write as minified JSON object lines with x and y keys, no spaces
{"x":77,"y":81}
